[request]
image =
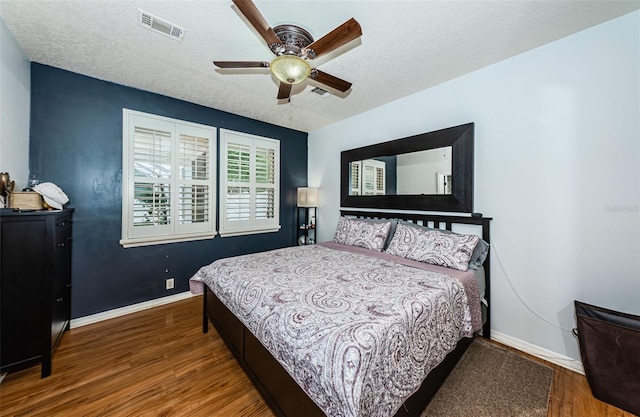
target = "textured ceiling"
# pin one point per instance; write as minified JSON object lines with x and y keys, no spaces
{"x":406,"y":46}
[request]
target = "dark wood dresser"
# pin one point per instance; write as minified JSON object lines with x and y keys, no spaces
{"x":35,"y":286}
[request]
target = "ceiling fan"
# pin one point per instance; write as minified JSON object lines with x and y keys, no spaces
{"x":293,"y":46}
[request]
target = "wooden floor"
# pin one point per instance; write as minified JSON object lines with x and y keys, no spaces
{"x":159,"y":363}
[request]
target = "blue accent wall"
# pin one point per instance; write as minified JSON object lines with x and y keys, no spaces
{"x":76,"y":143}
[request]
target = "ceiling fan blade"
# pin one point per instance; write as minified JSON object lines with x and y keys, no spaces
{"x":339,"y":36}
{"x":330,"y":80}
{"x":284,"y":91}
{"x":241,"y":64}
{"x":253,"y":15}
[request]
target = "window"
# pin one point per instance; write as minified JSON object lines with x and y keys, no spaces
{"x":373,"y":173}
{"x":168,"y":180}
{"x":249,"y":184}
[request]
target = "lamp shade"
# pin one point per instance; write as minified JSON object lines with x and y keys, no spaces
{"x":290,"y":69}
{"x":307,"y":197}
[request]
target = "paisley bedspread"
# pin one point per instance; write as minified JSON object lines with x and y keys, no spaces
{"x":358,"y":333}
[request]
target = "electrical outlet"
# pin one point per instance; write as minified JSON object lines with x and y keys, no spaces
{"x":169,"y":285}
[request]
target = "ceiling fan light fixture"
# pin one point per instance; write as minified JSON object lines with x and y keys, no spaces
{"x":290,"y":69}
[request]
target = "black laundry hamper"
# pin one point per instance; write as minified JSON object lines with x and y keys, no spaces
{"x":610,"y":348}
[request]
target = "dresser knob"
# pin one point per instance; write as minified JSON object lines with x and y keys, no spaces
{"x":60,"y":244}
{"x":59,"y":300}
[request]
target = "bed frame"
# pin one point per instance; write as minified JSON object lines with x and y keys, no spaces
{"x":280,"y":391}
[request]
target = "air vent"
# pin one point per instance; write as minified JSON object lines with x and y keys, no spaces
{"x":319,"y":91}
{"x":156,"y":24}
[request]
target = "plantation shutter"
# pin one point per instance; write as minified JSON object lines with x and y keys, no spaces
{"x":250,"y":179}
{"x":380,"y":180}
{"x":168,"y":180}
{"x":356,"y":179}
{"x":373,"y":177}
{"x":152,"y":172}
{"x":265,"y":184}
{"x":195,"y":197}
{"x":238,"y":184}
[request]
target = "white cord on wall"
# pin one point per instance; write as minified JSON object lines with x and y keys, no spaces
{"x":531,"y":310}
{"x":513,"y":288}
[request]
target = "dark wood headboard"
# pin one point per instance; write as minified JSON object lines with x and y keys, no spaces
{"x":436,"y":221}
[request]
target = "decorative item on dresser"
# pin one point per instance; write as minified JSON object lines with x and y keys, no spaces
{"x":35,"y":286}
{"x":308,"y":202}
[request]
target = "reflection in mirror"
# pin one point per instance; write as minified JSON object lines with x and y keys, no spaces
{"x":430,"y":171}
{"x":369,"y":177}
{"x":423,"y":172}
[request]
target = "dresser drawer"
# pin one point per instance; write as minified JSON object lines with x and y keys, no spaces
{"x":62,"y":223}
{"x":62,"y":240}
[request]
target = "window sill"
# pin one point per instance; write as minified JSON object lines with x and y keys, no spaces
{"x":248,"y":232}
{"x":134,"y":243}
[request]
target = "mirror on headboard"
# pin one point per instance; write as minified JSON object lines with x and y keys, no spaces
{"x":431,"y":171}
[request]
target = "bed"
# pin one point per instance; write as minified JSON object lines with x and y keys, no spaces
{"x":345,"y":329}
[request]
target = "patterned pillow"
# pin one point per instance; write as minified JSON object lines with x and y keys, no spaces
{"x":451,"y":250}
{"x":369,"y":235}
{"x":478,"y":256}
{"x":363,"y":233}
{"x":342,"y":231}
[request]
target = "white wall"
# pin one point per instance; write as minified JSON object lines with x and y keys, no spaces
{"x":557,"y":139}
{"x":15,"y":102}
{"x":417,"y":172}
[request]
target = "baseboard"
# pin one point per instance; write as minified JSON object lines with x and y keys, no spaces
{"x":519,"y":344}
{"x":106,"y":315}
{"x":539,"y":352}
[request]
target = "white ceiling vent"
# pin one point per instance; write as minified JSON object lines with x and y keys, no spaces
{"x":156,"y":24}
{"x":319,"y":91}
